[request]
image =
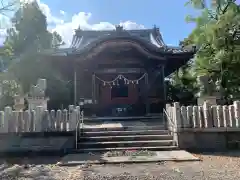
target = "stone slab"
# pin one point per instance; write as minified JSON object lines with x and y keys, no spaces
{"x":103,"y":125}
{"x":98,"y":158}
{"x":18,"y":145}
{"x":119,"y":124}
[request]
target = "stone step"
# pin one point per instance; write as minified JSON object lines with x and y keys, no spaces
{"x":150,"y":148}
{"x":114,"y":144}
{"x":128,"y":122}
{"x":124,"y":128}
{"x":133,"y":118}
{"x":125,"y":138}
{"x":122,"y":133}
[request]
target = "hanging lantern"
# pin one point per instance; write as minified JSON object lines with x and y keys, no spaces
{"x":104,"y":83}
{"x":137,"y":82}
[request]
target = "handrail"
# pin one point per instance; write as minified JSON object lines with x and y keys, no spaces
{"x":80,"y":120}
{"x":169,"y":119}
{"x":172,"y":129}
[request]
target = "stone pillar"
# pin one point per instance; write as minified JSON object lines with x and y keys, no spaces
{"x":176,"y":121}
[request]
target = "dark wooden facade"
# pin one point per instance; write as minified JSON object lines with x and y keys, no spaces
{"x":120,"y":53}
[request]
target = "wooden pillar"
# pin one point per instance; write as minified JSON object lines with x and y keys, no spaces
{"x":94,"y":88}
{"x":164,"y":86}
{"x":94,"y":93}
{"x":146,"y":95}
{"x":75,"y":86}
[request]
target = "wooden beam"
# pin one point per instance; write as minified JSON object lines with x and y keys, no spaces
{"x":120,"y":70}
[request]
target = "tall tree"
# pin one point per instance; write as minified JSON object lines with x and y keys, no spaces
{"x":30,"y":33}
{"x":217,"y":36}
{"x":25,"y":41}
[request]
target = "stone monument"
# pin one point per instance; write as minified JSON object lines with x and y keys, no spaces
{"x":36,"y":96}
{"x":208,"y":91}
{"x":19,"y":102}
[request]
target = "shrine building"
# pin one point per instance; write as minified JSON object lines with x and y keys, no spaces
{"x":120,"y":72}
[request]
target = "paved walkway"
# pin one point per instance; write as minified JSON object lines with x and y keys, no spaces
{"x":99,"y":158}
{"x":217,"y":166}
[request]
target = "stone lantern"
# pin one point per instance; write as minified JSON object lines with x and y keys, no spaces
{"x":36,"y":96}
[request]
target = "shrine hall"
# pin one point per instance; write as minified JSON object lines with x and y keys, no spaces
{"x":120,"y":72}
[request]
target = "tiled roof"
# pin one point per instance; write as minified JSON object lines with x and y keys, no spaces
{"x":151,"y":37}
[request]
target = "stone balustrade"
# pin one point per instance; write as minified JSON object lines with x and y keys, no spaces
{"x":208,"y":116}
{"x":39,"y":120}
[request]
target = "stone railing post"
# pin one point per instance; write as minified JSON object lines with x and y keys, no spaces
{"x":7,"y":119}
{"x":168,"y":111}
{"x":237,"y":112}
{"x":39,"y":119}
{"x":52,"y":120}
{"x":214,"y":116}
{"x":190,"y":115}
{"x":185,"y":120}
{"x":195,"y":117}
{"x":177,"y":121}
{"x":220,"y":115}
{"x":207,"y":115}
{"x":226,"y":121}
{"x":2,"y":125}
{"x":72,"y":117}
{"x":177,"y":115}
{"x":232,"y":116}
{"x":64,"y":120}
{"x":58,"y":120}
{"x":27,"y":121}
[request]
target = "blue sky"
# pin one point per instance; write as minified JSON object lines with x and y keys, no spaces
{"x":64,"y":16}
{"x":168,"y":15}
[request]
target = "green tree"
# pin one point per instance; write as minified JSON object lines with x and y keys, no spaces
{"x":182,"y":86}
{"x":217,"y":36}
{"x":26,"y":41}
{"x":30,"y":33}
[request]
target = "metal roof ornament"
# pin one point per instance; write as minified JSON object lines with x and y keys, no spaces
{"x":155,"y":29}
{"x":119,"y":28}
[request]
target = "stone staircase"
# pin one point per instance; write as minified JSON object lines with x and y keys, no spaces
{"x":131,"y":134}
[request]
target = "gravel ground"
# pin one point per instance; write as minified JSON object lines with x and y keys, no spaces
{"x":218,"y":166}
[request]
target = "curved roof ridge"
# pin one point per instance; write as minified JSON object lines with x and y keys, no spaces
{"x":158,"y":36}
{"x":152,"y":38}
{"x":154,"y":41}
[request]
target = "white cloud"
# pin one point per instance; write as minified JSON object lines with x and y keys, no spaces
{"x":66,"y":28}
{"x":62,"y":12}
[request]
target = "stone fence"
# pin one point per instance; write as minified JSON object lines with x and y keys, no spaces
{"x":39,"y":120}
{"x":205,"y":128}
{"x":206,"y":116}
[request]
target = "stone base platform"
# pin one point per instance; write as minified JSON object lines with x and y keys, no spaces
{"x":99,"y":158}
